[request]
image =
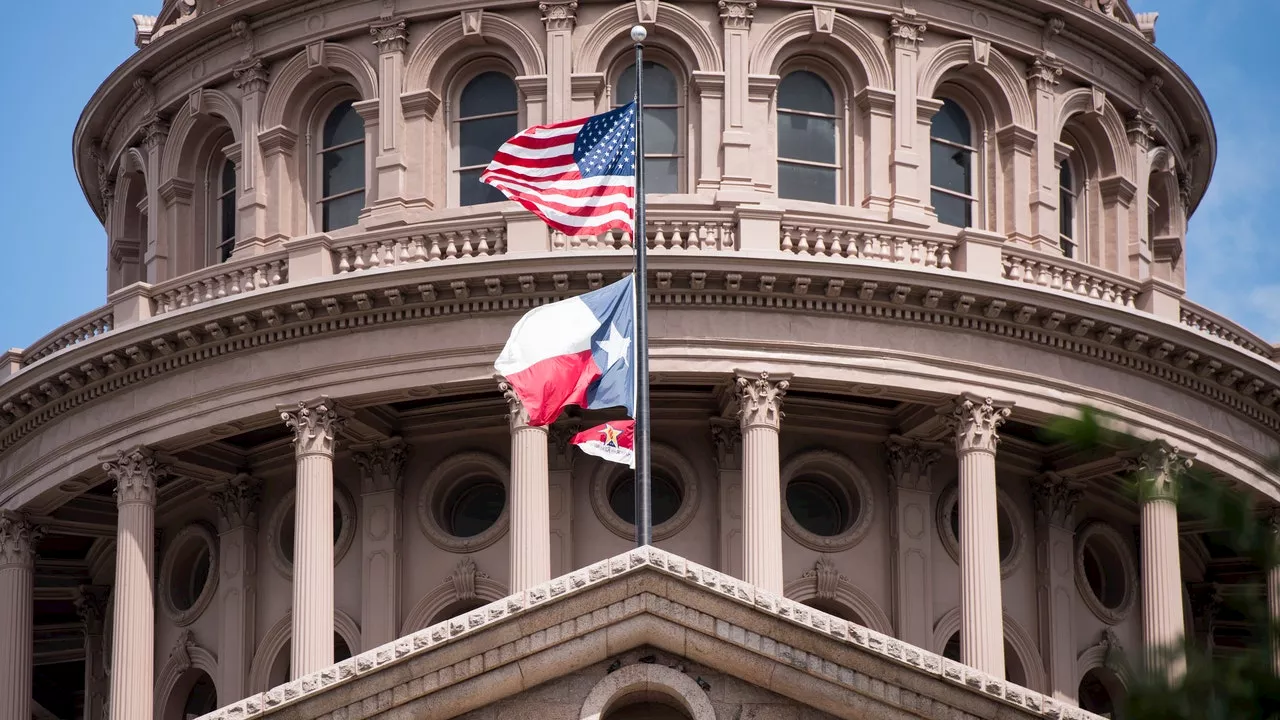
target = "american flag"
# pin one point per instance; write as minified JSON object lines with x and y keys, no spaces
{"x":579,"y":176}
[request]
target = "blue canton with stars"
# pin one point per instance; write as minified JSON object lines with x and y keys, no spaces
{"x":606,"y":144}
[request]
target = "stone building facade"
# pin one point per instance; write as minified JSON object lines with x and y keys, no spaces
{"x":891,"y":241}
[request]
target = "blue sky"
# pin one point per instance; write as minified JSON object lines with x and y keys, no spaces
{"x":55,"y":251}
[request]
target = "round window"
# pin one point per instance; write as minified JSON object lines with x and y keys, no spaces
{"x":191,"y":581}
{"x":1009,"y":528}
{"x":188,"y":573}
{"x":664,"y":494}
{"x":474,"y":507}
{"x":819,"y":506}
{"x":282,"y":531}
{"x":1105,"y":574}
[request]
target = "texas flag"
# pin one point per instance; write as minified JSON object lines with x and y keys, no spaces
{"x":613,"y":441}
{"x":574,"y":352}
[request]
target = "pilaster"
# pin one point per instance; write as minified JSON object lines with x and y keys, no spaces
{"x":237,"y":505}
{"x":910,"y":185}
{"x":251,"y":205}
{"x":156,"y":254}
{"x":381,"y":466}
{"x":1055,"y":498}
{"x":1140,"y":128}
{"x":759,"y":397}
{"x":911,"y":531}
{"x":391,"y":191}
{"x":136,"y":473}
{"x":1273,"y":590}
{"x":975,"y":421}
{"x":315,"y":425}
{"x":735,"y":18}
{"x":726,"y":437}
{"x":91,"y":607}
{"x":18,"y":540}
{"x":529,"y":493}
{"x":559,"y":16}
{"x":1042,"y":78}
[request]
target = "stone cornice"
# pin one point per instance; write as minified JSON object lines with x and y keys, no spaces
{"x":946,"y":299}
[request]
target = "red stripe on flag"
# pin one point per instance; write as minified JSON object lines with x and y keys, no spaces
{"x":548,"y":386}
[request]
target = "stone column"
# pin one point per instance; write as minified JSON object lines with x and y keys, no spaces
{"x":1042,"y":77}
{"x":18,"y":540}
{"x":910,"y":183}
{"x":559,"y":17}
{"x":156,"y":254}
{"x":136,"y":474}
{"x":251,"y":206}
{"x":726,"y":435}
{"x":91,"y":606}
{"x":391,"y":39}
{"x":530,"y":515}
{"x":380,"y":495}
{"x":760,"y":414}
{"x":1273,"y":590}
{"x":1055,"y":499}
{"x":975,"y":421}
{"x":735,"y":17}
{"x":911,"y":529}
{"x":237,"y":504}
{"x":1159,"y":467}
{"x":315,"y":425}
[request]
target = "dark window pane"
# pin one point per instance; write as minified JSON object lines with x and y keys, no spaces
{"x":1066,"y":214}
{"x":661,"y":131}
{"x":807,"y":92}
{"x":662,"y":175}
{"x":951,"y":168}
{"x":342,"y":212}
{"x":227,"y":221}
{"x":343,"y":125}
{"x":340,"y":650}
{"x":952,"y":124}
{"x":487,"y":94}
{"x":473,"y":192}
{"x":806,"y":182}
{"x":665,"y":499}
{"x":951,"y":209}
{"x":343,"y":170}
{"x":228,"y":176}
{"x":660,"y":86}
{"x":815,"y":507}
{"x":803,"y":137}
{"x":477,"y":508}
{"x":1064,"y":176}
{"x":479,"y":140}
{"x":202,"y":699}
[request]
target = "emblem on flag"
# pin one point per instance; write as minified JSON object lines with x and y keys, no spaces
{"x":612,"y":441}
{"x":579,"y":176}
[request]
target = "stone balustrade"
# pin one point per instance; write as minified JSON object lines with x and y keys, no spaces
{"x":701,"y":229}
{"x":1069,"y":276}
{"x":235,"y":277}
{"x":861,"y":242}
{"x":470,"y":237}
{"x":1214,"y":325}
{"x":90,"y":325}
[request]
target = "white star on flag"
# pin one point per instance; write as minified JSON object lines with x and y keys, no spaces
{"x":615,"y":345}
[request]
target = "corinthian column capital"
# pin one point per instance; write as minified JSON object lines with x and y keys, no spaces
{"x":1159,"y":466}
{"x":381,"y":465}
{"x":906,"y":31}
{"x":18,"y":539}
{"x":760,"y":398}
{"x":315,"y":425}
{"x":975,"y":421}
{"x":517,"y":416}
{"x":910,"y":462}
{"x":390,"y":37}
{"x":237,"y":502}
{"x":91,"y":606}
{"x":1055,"y":498}
{"x":559,"y":14}
{"x":136,"y":473}
{"x":737,"y":14}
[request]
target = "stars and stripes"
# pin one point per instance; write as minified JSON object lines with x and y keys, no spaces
{"x":579,"y":176}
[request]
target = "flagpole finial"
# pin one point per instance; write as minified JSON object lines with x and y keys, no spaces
{"x":638,"y":33}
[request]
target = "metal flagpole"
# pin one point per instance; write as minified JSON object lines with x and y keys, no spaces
{"x":644,"y":503}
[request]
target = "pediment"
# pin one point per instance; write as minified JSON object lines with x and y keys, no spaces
{"x":681,"y":619}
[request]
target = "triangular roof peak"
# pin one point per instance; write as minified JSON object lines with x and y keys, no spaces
{"x":647,"y":598}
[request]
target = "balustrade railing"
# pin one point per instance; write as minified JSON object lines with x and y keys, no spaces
{"x":852,"y":242}
{"x":91,"y":324}
{"x":1069,"y":276}
{"x":482,"y":236}
{"x":235,"y":277}
{"x":691,"y":230}
{"x":1210,"y":323}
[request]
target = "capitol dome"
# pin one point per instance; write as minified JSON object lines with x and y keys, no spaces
{"x":273,"y":475}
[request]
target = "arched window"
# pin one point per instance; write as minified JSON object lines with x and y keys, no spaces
{"x":1068,"y":199}
{"x":488,"y":115}
{"x":1013,"y":671}
{"x":808,"y":155}
{"x":951,"y":153}
{"x":202,"y":699}
{"x":282,"y":667}
{"x":663,"y":146}
{"x":1099,"y":692}
{"x":225,"y":207}
{"x":342,"y":170}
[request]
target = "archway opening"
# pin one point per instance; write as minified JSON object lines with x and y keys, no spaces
{"x":833,"y":607}
{"x":202,"y":699}
{"x":1014,"y":672}
{"x":282,"y":668}
{"x":1099,"y":692}
{"x":646,"y":705}
{"x":454,"y":609}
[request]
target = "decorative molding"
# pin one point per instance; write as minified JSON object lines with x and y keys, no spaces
{"x":1055,"y":498}
{"x":1044,"y":73}
{"x":824,"y":581}
{"x":517,"y":416}
{"x":1023,"y":644}
{"x":18,"y":540}
{"x":975,"y":421}
{"x":136,"y":473}
{"x":173,"y":562}
{"x":1017,"y":530}
{"x":467,"y":583}
{"x":1098,"y":531}
{"x":251,"y":77}
{"x":91,"y":606}
{"x":653,"y":678}
{"x":278,"y":635}
{"x":315,"y":425}
{"x":737,"y":14}
{"x":185,"y":655}
{"x":439,"y":486}
{"x":760,"y":398}
{"x":1107,"y":654}
{"x":911,"y":462}
{"x":726,"y":436}
{"x":237,"y":502}
{"x":1159,"y":466}
{"x":559,"y":15}
{"x":390,"y":37}
{"x":381,"y":465}
{"x":848,"y":478}
{"x":906,"y":31}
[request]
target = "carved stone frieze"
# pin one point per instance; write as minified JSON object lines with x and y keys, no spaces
{"x":1044,"y":72}
{"x":18,"y":539}
{"x":390,"y":37}
{"x":155,"y":132}
{"x":381,"y":465}
{"x":760,"y":399}
{"x":464,"y":577}
{"x":737,"y":14}
{"x":251,"y":77}
{"x":237,"y":502}
{"x":975,"y":421}
{"x":559,"y":14}
{"x":906,"y":31}
{"x":826,"y":578}
{"x":136,"y":473}
{"x":1055,"y":498}
{"x":181,"y":652}
{"x":315,"y":425}
{"x":911,"y":462}
{"x":1159,"y":466}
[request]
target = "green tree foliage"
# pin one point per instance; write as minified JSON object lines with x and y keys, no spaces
{"x":1235,"y":685}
